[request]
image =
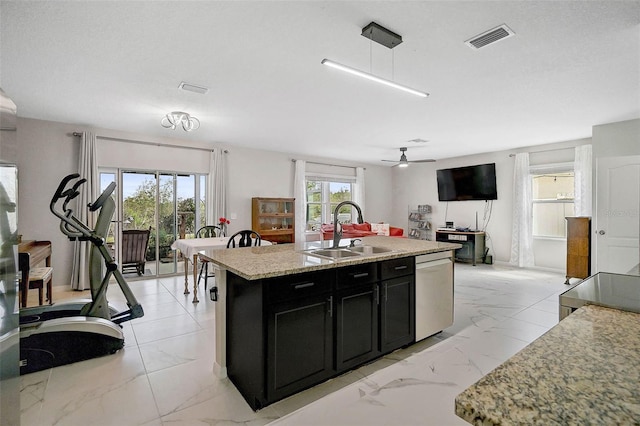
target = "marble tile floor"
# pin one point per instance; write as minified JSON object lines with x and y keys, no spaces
{"x":164,"y":375}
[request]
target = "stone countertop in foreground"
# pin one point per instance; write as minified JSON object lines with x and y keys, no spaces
{"x":585,"y":370}
{"x":254,"y":263}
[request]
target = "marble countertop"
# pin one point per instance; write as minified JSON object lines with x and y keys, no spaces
{"x":585,"y":370}
{"x":284,"y":259}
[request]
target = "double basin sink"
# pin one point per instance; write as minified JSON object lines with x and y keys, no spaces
{"x":345,"y":253}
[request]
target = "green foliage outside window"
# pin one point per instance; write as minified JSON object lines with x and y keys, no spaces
{"x":322,"y":198}
{"x":139,"y":212}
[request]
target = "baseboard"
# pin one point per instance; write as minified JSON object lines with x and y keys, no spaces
{"x":534,"y":268}
{"x":219,"y":371}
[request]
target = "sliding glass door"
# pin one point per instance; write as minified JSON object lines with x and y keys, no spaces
{"x":165,"y":203}
{"x":139,"y":212}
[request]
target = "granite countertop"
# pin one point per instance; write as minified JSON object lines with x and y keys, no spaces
{"x":284,"y":259}
{"x":585,"y":370}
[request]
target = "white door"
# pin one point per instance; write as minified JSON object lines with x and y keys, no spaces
{"x":616,"y":224}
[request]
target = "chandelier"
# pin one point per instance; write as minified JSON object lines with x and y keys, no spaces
{"x":175,"y":118}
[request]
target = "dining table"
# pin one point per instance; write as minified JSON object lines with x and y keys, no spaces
{"x":191,"y":248}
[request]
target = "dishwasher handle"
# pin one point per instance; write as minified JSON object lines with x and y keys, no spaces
{"x":433,"y":263}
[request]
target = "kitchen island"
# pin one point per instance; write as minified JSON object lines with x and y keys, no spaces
{"x":287,"y":319}
{"x":582,"y":371}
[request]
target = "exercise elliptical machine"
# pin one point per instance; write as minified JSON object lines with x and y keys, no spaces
{"x":73,"y":331}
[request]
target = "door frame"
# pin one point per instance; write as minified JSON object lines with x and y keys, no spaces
{"x":119,"y":215}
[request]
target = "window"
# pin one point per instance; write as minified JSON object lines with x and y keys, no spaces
{"x":553,"y":199}
{"x":322,"y":198}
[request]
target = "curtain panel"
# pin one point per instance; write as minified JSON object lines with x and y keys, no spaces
{"x":583,"y":175}
{"x":87,"y":169}
{"x":358,"y":188}
{"x":300,"y":194}
{"x":217,"y":186}
{"x":522,"y":228}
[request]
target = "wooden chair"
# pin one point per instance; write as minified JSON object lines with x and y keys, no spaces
{"x":134,"y":249}
{"x":246,"y":238}
{"x":209,"y":231}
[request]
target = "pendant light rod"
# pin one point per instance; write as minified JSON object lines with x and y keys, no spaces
{"x":372,"y":77}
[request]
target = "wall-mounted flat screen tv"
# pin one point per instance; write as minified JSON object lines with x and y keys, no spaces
{"x":467,"y":183}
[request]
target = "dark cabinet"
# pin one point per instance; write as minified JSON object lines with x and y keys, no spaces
{"x":397,"y":304}
{"x":279,"y":334}
{"x":397,"y":323}
{"x":300,"y":345}
{"x":299,"y":332}
{"x":246,"y":338}
{"x":356,"y":315}
{"x":288,"y":333}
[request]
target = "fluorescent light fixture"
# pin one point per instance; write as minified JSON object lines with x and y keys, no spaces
{"x":372,"y":77}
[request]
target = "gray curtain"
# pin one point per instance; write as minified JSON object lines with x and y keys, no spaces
{"x":88,"y":169}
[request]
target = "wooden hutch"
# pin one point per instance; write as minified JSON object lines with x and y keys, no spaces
{"x":274,"y":219}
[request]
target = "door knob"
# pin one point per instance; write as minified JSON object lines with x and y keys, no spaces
{"x":601,"y":232}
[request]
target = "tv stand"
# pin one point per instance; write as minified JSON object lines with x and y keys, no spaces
{"x":472,"y":244}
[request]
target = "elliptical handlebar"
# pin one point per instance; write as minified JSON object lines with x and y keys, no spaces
{"x":70,"y":225}
{"x":63,"y":184}
{"x":71,"y":194}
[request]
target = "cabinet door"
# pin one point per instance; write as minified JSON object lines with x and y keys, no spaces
{"x":397,"y":313}
{"x":356,"y":326}
{"x":300,"y":345}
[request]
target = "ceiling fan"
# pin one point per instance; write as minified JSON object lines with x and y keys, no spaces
{"x":403,"y":162}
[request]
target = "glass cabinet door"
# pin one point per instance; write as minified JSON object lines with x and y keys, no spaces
{"x":273,"y":219}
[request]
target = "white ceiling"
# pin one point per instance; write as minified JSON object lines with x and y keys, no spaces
{"x":117,"y":65}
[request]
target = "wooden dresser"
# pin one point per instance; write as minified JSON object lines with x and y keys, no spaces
{"x":578,"y":247}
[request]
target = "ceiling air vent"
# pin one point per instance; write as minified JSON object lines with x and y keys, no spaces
{"x":489,"y":37}
{"x":193,"y":88}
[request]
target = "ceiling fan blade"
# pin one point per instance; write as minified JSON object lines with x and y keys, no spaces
{"x":403,"y":159}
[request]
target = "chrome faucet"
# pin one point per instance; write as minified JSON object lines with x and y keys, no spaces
{"x":337,"y":228}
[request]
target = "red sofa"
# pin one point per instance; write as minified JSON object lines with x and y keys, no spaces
{"x":357,"y":230}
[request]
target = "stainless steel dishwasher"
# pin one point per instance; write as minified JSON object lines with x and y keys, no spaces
{"x":434,"y":293}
